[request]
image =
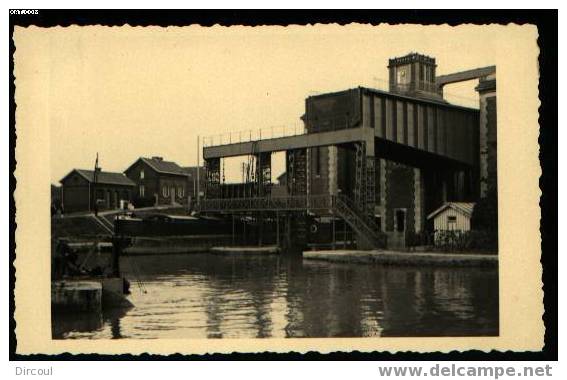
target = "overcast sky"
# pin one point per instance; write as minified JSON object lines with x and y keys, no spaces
{"x":128,"y":92}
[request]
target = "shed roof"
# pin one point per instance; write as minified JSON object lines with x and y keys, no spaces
{"x":108,"y":178}
{"x":464,"y":208}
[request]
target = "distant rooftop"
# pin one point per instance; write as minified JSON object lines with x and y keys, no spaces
{"x":108,"y":178}
{"x":465,"y":208}
{"x":162,"y":166}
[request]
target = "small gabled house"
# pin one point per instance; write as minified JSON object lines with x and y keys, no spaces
{"x":80,"y":191}
{"x":157,"y":182}
{"x":452,"y":216}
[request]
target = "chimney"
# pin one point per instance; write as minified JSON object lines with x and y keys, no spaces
{"x":157,"y":158}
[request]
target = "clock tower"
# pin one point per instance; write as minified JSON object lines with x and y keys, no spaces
{"x":414,"y":75}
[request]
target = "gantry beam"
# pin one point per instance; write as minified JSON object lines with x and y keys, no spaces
{"x":463,"y":76}
{"x":310,"y":140}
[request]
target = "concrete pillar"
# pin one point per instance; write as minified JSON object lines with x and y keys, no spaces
{"x":383,"y":190}
{"x":277,"y":228}
{"x":333,"y":161}
{"x":419,"y":193}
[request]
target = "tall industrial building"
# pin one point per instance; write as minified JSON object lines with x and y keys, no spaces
{"x":380,"y":160}
{"x":408,"y":184}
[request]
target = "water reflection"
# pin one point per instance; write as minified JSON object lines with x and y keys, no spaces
{"x":207,"y":296}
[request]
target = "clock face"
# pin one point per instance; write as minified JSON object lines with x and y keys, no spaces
{"x":403,"y":75}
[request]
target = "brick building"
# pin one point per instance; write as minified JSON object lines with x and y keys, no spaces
{"x":80,"y":191}
{"x":158,"y":182}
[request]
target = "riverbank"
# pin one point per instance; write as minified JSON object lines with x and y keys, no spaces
{"x":404,"y":258}
{"x":245,"y":251}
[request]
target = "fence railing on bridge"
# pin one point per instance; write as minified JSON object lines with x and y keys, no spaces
{"x":338,"y":205}
{"x":291,"y":203}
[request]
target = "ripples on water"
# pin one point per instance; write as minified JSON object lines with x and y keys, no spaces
{"x":208,"y":296}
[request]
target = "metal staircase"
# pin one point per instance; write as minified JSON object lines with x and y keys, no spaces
{"x":358,"y":221}
{"x":104,"y":223}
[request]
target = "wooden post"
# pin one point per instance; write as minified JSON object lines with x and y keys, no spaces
{"x":116,"y":252}
{"x":260,"y":227}
{"x":277,"y":228}
{"x":287,"y":229}
{"x":334,"y":237}
{"x":233,"y":235}
{"x":344,"y":234}
{"x":244,"y":231}
{"x":198,"y":194}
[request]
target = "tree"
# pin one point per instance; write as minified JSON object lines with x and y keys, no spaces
{"x":485,"y":212}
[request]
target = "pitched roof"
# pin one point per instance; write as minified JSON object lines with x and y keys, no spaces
{"x":164,"y":167}
{"x":465,"y":208}
{"x":108,"y":178}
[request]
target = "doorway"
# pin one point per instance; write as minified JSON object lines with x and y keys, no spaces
{"x":400,"y":221}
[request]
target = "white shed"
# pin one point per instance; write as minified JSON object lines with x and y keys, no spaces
{"x":452,"y":216}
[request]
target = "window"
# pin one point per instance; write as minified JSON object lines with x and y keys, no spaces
{"x":142,"y":174}
{"x":451,"y":222}
{"x":165,"y":191}
{"x":142,"y":191}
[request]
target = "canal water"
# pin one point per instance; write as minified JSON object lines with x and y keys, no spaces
{"x":210,"y":296}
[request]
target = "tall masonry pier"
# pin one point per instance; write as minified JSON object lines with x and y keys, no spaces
{"x":369,"y":164}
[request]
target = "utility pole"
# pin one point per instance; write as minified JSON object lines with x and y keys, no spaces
{"x":198,"y":175}
{"x":95,"y":180}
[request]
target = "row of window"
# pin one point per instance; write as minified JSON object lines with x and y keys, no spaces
{"x":165,"y":191}
{"x":102,"y":194}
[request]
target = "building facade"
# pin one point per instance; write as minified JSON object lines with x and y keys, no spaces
{"x":158,"y":182}
{"x":81,"y":191}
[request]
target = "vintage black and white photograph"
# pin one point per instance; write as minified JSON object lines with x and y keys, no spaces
{"x":270,"y":182}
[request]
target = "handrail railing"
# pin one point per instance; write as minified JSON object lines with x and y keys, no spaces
{"x":252,"y":135}
{"x":342,"y":205}
{"x":366,"y":228}
{"x":313,"y":202}
{"x":352,"y":205}
{"x":235,"y":137}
